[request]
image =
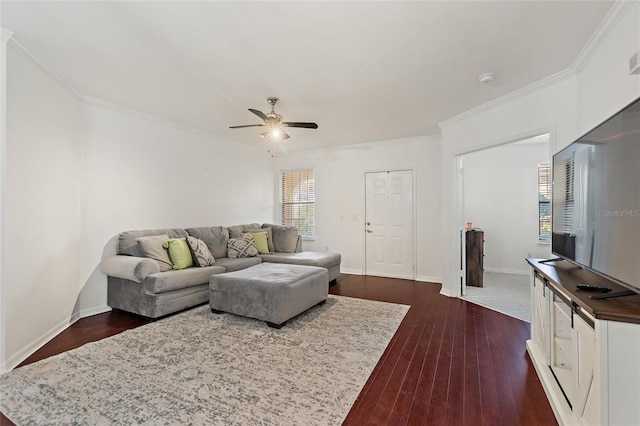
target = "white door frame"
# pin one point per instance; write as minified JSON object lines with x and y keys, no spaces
{"x":460,"y":264}
{"x":413,"y":212}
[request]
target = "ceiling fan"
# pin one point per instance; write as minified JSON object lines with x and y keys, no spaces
{"x":273,"y":122}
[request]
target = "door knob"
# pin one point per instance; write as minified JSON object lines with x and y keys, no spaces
{"x":369,"y":231}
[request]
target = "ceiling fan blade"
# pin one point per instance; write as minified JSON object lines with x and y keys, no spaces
{"x":298,"y":124}
{"x":247,"y":125}
{"x":259,"y":114}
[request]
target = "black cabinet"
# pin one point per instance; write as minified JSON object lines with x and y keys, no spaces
{"x":474,"y":249}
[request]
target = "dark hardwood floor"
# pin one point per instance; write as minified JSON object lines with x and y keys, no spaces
{"x":450,"y":363}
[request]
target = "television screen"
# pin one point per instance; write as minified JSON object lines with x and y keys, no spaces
{"x":596,"y":199}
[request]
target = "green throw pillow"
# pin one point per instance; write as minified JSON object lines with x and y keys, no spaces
{"x":179,"y":253}
{"x":260,"y":239}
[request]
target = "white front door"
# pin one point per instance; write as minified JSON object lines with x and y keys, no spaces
{"x":389,"y":224}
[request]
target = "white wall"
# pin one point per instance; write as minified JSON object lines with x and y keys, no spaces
{"x":567,"y":106}
{"x":42,"y":223}
{"x":144,"y":174}
{"x":604,"y":84}
{"x":5,"y":36}
{"x":501,"y":197}
{"x":77,"y":174}
{"x":340,"y":197}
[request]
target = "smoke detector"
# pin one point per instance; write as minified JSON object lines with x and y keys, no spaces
{"x":486,"y":77}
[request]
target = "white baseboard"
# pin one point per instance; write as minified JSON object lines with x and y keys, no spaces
{"x":424,"y":278}
{"x":445,"y":292}
{"x":31,"y":348}
{"x":421,"y":278}
{"x":89,"y":312}
{"x":508,"y":271}
{"x":351,"y":271}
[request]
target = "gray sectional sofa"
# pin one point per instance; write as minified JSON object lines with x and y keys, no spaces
{"x":135,"y":283}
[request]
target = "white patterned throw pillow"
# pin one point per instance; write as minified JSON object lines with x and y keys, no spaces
{"x":243,"y":246}
{"x":200,"y":252}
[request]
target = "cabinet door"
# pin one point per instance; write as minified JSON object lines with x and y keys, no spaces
{"x":562,"y":350}
{"x":540,"y":317}
{"x":586,"y":403}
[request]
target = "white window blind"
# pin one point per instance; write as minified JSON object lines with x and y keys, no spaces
{"x":563,"y":201}
{"x":544,"y":203}
{"x":297,"y":201}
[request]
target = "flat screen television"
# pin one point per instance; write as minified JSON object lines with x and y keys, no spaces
{"x":596,"y":200}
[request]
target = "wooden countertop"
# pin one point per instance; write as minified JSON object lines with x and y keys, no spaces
{"x":563,"y":277}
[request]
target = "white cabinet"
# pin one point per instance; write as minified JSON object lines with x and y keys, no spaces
{"x":540,"y":314}
{"x":586,"y":380}
{"x":588,"y":363}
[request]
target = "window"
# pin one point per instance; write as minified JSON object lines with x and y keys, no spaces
{"x":297,"y":201}
{"x":564,"y":200}
{"x":544,"y":203}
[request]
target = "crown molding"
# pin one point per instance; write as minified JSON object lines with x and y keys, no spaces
{"x":608,"y":24}
{"x":436,"y":138}
{"x":101,"y":103}
{"x":21,"y":49}
{"x":6,"y":35}
{"x":610,"y":21}
{"x":526,"y":90}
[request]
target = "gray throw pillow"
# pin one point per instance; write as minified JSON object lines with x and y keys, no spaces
{"x":285,"y":238}
{"x":236,"y":230}
{"x":243,"y":246}
{"x":215,"y":237}
{"x":200,"y":252}
{"x":151,"y":247}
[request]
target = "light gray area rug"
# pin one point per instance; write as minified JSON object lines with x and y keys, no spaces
{"x":201,"y":368}
{"x":505,"y":293}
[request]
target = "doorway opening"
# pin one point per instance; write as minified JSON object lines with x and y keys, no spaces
{"x":499,"y":196}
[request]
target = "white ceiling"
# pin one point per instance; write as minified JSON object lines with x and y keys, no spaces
{"x":364,"y":71}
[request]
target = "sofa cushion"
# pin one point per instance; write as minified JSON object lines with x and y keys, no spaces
{"x":236,"y":230}
{"x":161,"y":282}
{"x":243,"y":246}
{"x":215,"y":237}
{"x":200,"y":252}
{"x":309,"y":258}
{"x":127,"y":243}
{"x":236,"y":264}
{"x":285,"y":238}
{"x":179,"y":253}
{"x":152,"y":248}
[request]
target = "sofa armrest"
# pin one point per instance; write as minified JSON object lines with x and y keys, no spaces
{"x":129,"y":267}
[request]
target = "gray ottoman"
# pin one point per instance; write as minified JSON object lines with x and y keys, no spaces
{"x":270,"y":292}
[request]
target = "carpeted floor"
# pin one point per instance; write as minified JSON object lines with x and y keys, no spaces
{"x":505,"y":293}
{"x":200,"y":368}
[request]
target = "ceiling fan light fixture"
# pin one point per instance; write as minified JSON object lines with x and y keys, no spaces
{"x":275,"y":126}
{"x":275,"y":133}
